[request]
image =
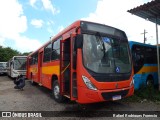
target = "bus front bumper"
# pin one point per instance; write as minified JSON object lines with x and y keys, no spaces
{"x":90,"y":96}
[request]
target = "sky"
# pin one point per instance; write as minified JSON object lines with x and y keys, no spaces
{"x":25,"y":25}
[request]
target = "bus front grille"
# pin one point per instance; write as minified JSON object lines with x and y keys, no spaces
{"x":109,"y":95}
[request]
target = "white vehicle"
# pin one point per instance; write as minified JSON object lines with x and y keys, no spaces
{"x":16,"y":66}
{"x":3,"y":68}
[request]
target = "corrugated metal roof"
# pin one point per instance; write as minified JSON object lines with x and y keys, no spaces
{"x":150,"y":11}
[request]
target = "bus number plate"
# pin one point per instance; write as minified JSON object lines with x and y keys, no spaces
{"x":116,"y":97}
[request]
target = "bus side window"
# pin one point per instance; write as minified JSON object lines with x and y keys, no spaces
{"x":138,"y":57}
{"x":47,"y":53}
{"x":55,"y":50}
{"x":150,"y":55}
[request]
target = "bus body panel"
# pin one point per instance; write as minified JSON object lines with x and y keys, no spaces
{"x":89,"y":96}
{"x":140,"y":79}
{"x":33,"y":73}
{"x":48,"y":70}
{"x":147,"y":69}
{"x":43,"y":72}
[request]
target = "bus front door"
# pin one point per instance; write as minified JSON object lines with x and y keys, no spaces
{"x":68,"y":84}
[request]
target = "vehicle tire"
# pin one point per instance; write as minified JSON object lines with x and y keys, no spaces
{"x":56,"y":92}
{"x":149,"y":82}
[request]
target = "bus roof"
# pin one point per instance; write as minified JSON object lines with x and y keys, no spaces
{"x":131,"y":43}
{"x":19,"y":56}
{"x":75,"y":25}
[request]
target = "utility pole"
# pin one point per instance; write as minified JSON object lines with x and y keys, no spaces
{"x":158,"y":60}
{"x":144,"y":35}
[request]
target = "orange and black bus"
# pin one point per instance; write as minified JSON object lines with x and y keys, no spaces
{"x":86,"y":62}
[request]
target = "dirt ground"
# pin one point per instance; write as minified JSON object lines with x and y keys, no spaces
{"x":36,"y":98}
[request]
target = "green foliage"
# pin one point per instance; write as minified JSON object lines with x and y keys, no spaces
{"x":26,"y":53}
{"x":148,"y":93}
{"x":144,"y":94}
{"x":7,"y":53}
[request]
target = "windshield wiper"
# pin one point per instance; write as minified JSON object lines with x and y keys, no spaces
{"x":19,"y":62}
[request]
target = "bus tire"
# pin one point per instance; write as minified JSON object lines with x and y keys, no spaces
{"x":149,"y":82}
{"x":56,"y":92}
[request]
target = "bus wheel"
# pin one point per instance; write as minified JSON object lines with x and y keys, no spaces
{"x":56,"y":92}
{"x":149,"y":82}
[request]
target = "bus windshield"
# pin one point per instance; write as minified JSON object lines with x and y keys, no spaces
{"x":106,"y":54}
{"x":3,"y":65}
{"x":20,"y":63}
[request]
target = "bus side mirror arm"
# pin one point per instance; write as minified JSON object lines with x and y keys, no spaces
{"x":78,"y":42}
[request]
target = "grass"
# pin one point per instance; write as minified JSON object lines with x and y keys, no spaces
{"x":144,"y":94}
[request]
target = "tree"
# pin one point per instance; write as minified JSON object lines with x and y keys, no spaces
{"x":26,"y":53}
{"x":7,"y":53}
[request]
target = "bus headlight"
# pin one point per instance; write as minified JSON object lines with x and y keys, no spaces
{"x":88,"y":83}
{"x":132,"y":82}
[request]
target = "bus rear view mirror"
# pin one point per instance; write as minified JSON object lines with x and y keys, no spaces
{"x":78,"y":41}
